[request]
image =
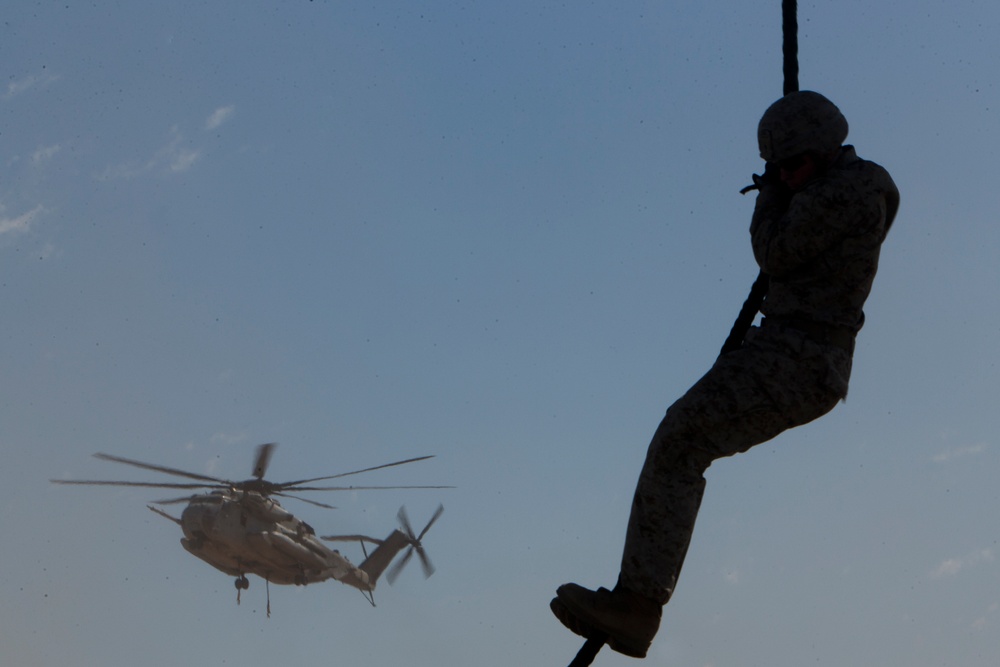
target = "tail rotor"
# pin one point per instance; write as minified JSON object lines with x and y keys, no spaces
{"x":415,"y":545}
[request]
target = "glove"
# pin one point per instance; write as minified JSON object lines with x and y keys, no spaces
{"x":770,"y":180}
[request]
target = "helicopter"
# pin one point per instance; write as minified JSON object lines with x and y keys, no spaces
{"x":240,"y":528}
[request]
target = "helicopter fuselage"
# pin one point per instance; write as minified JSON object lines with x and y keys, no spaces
{"x":244,"y":532}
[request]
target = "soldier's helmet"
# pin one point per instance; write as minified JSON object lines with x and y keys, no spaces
{"x":800,"y":122}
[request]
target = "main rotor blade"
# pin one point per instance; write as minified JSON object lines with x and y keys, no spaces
{"x":282,"y":487}
{"x":151,"y":485}
{"x":159,"y":468}
{"x":164,"y":514}
{"x":178,"y":501}
{"x":351,"y":538}
{"x":354,"y":472}
{"x":263,"y":459}
{"x":305,"y":500}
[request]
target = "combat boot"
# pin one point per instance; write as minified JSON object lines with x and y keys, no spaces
{"x":627,"y":619}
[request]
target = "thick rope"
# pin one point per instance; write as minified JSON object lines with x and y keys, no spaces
{"x":747,"y":314}
{"x":790,"y":45}
{"x":588,"y":651}
{"x":790,"y":56}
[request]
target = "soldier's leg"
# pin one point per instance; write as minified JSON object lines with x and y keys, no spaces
{"x":747,"y":398}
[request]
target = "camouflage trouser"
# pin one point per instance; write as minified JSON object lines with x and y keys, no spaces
{"x":779,"y":379}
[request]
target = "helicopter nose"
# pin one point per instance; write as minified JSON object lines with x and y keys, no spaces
{"x":198,"y":517}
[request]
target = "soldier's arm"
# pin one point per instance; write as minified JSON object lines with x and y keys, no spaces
{"x":815,"y":220}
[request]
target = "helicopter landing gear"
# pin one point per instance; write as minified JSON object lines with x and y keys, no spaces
{"x":242,"y":584}
{"x":301,"y":578}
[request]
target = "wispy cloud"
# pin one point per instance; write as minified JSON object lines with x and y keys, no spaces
{"x":952,"y":566}
{"x":176,"y":156}
{"x":48,"y":250}
{"x":982,"y":622}
{"x":181,"y":159}
{"x":219,"y":116}
{"x":45,"y":153}
{"x":19,"y":224}
{"x":959,"y":452}
{"x":23,"y":85}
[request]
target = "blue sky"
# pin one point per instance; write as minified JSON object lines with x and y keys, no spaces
{"x":507,"y":234}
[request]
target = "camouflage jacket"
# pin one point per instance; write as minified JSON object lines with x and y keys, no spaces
{"x":820,"y":245}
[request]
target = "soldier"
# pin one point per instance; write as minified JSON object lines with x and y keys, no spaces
{"x":820,"y":218}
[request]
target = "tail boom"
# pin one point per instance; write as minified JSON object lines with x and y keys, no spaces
{"x":366,"y":576}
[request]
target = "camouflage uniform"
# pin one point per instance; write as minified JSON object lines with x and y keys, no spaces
{"x":820,"y":247}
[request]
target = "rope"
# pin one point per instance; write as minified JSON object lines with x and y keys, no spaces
{"x":747,"y":314}
{"x":588,"y":651}
{"x":790,"y":68}
{"x":790,"y":45}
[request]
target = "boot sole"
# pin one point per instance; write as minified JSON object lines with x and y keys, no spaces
{"x":581,"y":627}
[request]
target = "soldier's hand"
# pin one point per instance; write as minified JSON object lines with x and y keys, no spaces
{"x":769,"y":180}
{"x":772,"y":173}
